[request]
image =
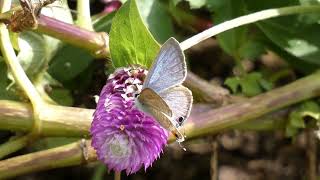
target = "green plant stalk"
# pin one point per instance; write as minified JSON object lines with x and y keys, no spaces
{"x":83,"y":15}
{"x":95,"y":42}
{"x":23,"y":81}
{"x":13,"y":145}
{"x":68,"y":155}
{"x":56,"y":120}
{"x":207,"y":123}
{"x":234,"y":114}
{"x":247,"y":19}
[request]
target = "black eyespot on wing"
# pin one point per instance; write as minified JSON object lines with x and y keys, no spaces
{"x":180,"y":120}
{"x":136,"y":95}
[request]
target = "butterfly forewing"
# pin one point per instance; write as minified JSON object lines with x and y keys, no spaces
{"x":169,"y":68}
{"x":179,"y":99}
{"x":150,"y":99}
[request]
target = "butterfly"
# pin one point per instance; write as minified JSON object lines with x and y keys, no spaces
{"x":163,"y":96}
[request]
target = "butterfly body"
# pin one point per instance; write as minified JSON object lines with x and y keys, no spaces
{"x":163,"y":96}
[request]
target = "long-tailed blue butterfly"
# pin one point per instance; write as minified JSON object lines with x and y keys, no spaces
{"x":163,"y":96}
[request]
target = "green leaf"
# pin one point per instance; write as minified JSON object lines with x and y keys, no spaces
{"x":5,"y":92}
{"x":33,"y":53}
{"x":69,"y":62}
{"x":103,"y":23}
{"x":296,"y":120}
{"x":291,"y":131}
{"x":249,"y":84}
{"x":61,"y":96}
{"x":157,"y":19}
{"x":233,"y":83}
{"x":232,"y":40}
{"x":292,"y":34}
{"x":309,"y":18}
{"x":130,"y":41}
{"x":299,"y":41}
{"x":302,"y":66}
{"x":297,"y":117}
{"x":311,"y":109}
{"x":237,"y":42}
{"x":251,"y":49}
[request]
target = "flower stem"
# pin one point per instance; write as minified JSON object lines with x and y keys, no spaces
{"x":83,"y":15}
{"x":247,"y":19}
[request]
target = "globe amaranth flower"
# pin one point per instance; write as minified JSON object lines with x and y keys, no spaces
{"x":124,"y":137}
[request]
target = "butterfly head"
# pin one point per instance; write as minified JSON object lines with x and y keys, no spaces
{"x":136,"y":95}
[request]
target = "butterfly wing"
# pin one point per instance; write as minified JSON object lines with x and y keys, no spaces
{"x":168,"y":69}
{"x":179,"y":99}
{"x":151,"y":103}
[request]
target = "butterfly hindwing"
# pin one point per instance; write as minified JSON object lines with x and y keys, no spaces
{"x":168,"y":69}
{"x":179,"y":99}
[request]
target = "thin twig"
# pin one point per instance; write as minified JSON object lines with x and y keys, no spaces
{"x":214,"y":161}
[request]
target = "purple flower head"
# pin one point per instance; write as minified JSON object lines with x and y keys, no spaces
{"x":124,"y":137}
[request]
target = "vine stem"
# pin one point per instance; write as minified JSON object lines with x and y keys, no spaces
{"x":23,"y":81}
{"x":83,"y":15}
{"x":247,"y":19}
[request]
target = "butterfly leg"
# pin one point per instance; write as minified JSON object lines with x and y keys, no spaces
{"x":178,"y":135}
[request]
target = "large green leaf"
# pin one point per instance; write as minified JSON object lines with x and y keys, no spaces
{"x":130,"y":41}
{"x":236,"y":42}
{"x":69,"y":62}
{"x":156,"y":18}
{"x":294,"y":35}
{"x":103,"y":23}
{"x":296,"y":39}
